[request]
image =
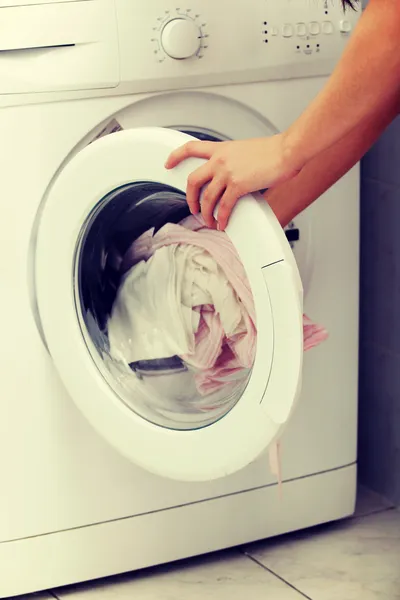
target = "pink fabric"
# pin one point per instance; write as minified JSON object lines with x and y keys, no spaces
{"x":217,"y":356}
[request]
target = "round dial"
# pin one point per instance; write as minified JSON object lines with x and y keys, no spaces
{"x":181,"y":38}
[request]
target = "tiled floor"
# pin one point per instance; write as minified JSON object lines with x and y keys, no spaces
{"x":358,"y":559}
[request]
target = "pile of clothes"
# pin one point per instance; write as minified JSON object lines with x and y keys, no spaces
{"x":184,"y":293}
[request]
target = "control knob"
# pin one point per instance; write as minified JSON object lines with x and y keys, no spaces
{"x":181,"y":38}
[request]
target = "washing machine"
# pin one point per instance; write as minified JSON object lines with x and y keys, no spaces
{"x":99,"y":479}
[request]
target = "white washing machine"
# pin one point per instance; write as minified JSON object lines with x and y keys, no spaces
{"x":94,"y":481}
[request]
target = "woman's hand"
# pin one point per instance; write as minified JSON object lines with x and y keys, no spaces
{"x":232,"y":170}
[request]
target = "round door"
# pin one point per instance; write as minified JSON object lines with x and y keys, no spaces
{"x":108,"y":267}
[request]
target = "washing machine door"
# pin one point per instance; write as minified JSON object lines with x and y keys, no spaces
{"x":155,"y":410}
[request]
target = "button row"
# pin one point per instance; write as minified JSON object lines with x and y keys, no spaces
{"x":313,"y":28}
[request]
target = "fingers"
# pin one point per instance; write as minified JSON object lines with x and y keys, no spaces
{"x":191,"y":149}
{"x":217,"y":190}
{"x":225,"y":207}
{"x":195,"y":182}
{"x":211,"y":196}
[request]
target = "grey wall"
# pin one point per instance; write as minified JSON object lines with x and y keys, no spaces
{"x":379,"y":423}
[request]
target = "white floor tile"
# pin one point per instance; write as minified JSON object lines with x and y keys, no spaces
{"x":224,"y":576}
{"x":358,"y":559}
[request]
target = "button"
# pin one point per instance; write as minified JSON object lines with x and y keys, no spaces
{"x":345,"y":26}
{"x":287,"y":30}
{"x":292,"y":235}
{"x":314,"y":28}
{"x":273,"y":31}
{"x":301,"y":29}
{"x":327,"y":27}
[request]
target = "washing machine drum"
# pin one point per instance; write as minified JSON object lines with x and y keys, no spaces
{"x":117,"y":308}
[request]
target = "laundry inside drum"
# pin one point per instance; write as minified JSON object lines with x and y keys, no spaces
{"x":165,"y":307}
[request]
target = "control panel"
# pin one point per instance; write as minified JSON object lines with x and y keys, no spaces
{"x":141,"y":45}
{"x":182,"y":34}
{"x":238,"y":41}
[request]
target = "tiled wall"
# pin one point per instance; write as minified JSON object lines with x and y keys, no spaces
{"x":379,"y":425}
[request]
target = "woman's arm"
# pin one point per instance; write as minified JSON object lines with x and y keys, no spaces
{"x":290,"y":198}
{"x":366,"y":77}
